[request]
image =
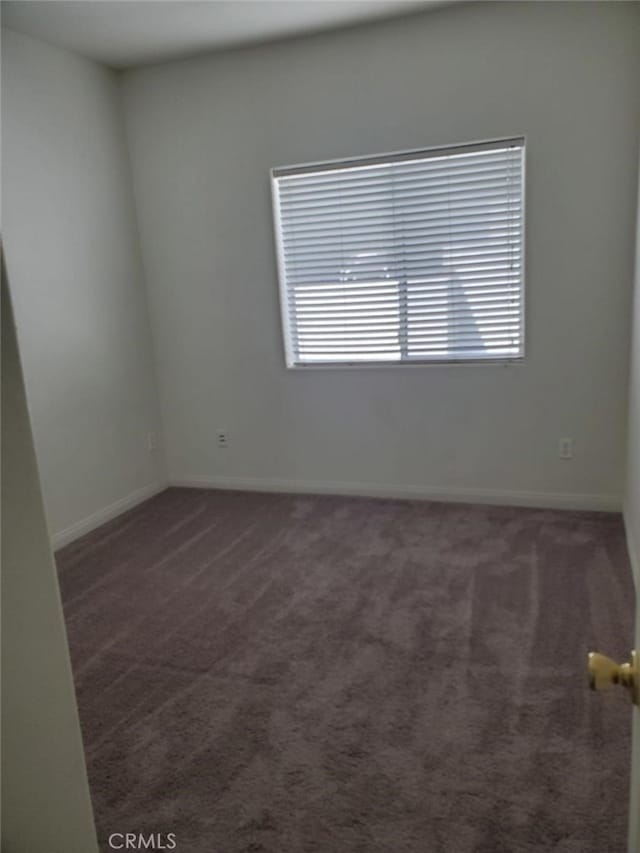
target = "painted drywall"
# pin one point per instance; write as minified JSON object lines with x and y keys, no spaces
{"x":203,"y":134}
{"x":45,"y":795}
{"x":75,"y":273}
{"x":632,"y":523}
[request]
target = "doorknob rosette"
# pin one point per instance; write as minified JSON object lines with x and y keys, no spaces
{"x":605,"y":672}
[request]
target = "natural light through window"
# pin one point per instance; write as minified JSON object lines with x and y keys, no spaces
{"x":403,"y":258}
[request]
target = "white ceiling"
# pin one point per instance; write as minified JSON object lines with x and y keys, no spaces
{"x":122,"y":33}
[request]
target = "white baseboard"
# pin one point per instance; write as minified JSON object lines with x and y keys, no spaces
{"x":549,"y":500}
{"x":86,"y":525}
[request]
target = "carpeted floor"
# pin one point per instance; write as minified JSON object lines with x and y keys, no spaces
{"x":284,"y":674}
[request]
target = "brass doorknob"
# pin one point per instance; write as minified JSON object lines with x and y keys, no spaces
{"x":604,"y":673}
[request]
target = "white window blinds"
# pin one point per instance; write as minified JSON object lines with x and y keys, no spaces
{"x":414,"y":257}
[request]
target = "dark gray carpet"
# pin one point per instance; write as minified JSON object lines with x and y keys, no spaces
{"x":330,"y":675}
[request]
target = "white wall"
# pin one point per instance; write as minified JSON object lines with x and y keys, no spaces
{"x":72,"y":254}
{"x":632,"y":522}
{"x":203,"y":134}
{"x":45,"y":795}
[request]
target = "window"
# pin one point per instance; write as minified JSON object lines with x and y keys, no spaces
{"x":403,"y":258}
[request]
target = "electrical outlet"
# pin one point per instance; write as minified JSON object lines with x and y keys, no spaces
{"x":223,"y":439}
{"x":152,"y":441}
{"x":565,"y":448}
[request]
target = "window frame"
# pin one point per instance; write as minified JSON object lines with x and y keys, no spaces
{"x":370,"y":160}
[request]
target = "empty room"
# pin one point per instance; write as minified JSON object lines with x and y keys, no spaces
{"x":320,"y":426}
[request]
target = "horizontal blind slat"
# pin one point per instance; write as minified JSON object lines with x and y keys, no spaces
{"x":421,"y":292}
{"x":381,"y":275}
{"x":500,"y":249}
{"x":373,"y":314}
{"x":484,"y":229}
{"x":394,"y":322}
{"x":378,"y":236}
{"x":434,"y":329}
